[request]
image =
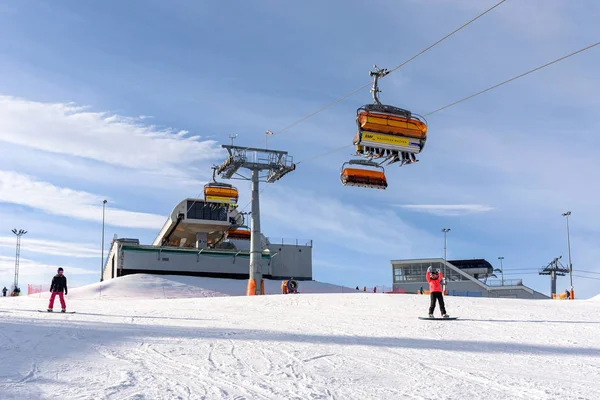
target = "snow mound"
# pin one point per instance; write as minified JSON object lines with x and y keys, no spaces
{"x":150,"y":286}
{"x":595,"y":298}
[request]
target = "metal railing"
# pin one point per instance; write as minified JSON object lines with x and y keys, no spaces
{"x":293,"y":241}
{"x":507,"y":282}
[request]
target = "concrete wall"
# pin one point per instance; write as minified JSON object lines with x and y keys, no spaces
{"x":292,"y":261}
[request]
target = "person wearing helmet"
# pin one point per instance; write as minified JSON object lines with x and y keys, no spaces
{"x":58,"y":285}
{"x":434,"y":278}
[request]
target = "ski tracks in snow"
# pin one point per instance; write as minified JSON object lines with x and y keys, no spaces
{"x":232,"y":369}
{"x":299,"y":347}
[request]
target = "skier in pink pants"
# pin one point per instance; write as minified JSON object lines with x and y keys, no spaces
{"x":58,"y":285}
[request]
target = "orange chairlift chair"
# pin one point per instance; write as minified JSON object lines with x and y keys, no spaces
{"x":362,"y":177}
{"x":242,"y":234}
{"x":216,"y":192}
{"x":388,"y":132}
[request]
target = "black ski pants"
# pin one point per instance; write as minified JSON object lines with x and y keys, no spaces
{"x":440,"y":298}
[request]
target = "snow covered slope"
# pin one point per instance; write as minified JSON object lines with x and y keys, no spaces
{"x":304,"y":346}
{"x":172,"y":286}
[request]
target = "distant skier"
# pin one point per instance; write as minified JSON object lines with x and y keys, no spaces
{"x":4,"y":291}
{"x":434,"y":277}
{"x":58,"y":285}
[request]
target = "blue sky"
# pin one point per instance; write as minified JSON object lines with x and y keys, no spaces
{"x":131,"y":102}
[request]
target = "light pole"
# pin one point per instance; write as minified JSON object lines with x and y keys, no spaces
{"x":569,"y":246}
{"x":19,"y":233}
{"x":102,"y":261}
{"x":501,"y":269}
{"x":445,"y":230}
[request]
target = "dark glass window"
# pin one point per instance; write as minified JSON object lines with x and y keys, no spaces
{"x":206,"y":211}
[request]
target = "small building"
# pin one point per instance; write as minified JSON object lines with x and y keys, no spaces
{"x":463,"y":278}
{"x":208,"y":239}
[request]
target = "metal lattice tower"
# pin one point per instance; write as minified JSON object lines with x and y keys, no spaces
{"x":267,"y":166}
{"x":554,"y":269}
{"x":19,"y":233}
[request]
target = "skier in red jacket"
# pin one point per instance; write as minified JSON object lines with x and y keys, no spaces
{"x":434,"y":277}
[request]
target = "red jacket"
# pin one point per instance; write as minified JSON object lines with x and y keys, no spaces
{"x":434,"y":285}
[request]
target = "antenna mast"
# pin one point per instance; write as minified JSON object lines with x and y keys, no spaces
{"x":232,"y":136}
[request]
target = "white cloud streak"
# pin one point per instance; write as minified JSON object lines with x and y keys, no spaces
{"x":363,"y":229}
{"x":30,"y":270}
{"x":448,"y":209}
{"x":51,"y":247}
{"x":71,"y":130}
{"x":25,"y":190}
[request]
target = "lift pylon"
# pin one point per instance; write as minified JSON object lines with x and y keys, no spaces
{"x":554,"y":269}
{"x":267,"y":166}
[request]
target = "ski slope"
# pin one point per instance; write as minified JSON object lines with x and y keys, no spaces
{"x":213,"y":344}
{"x":146,"y":286}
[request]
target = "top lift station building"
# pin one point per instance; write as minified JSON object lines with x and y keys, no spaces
{"x":209,"y":236}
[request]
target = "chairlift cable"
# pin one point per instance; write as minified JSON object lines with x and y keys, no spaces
{"x":445,"y":37}
{"x":586,"y":277}
{"x":512,"y":79}
{"x":473,"y":95}
{"x":468,"y":97}
{"x":388,"y":72}
{"x":369,"y":84}
{"x":587,"y":272}
{"x":324,"y":154}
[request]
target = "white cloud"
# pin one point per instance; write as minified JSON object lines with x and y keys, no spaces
{"x":25,"y":190}
{"x":51,"y":247}
{"x":362,"y":229}
{"x":541,"y":174}
{"x":71,"y":130}
{"x":30,"y":270}
{"x":448,"y":209}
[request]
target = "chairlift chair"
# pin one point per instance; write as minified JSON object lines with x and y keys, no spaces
{"x":386,"y":131}
{"x":363,"y":177}
{"x":217,"y":192}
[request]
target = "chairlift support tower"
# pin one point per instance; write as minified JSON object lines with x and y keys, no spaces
{"x":554,"y":269}
{"x":267,"y":166}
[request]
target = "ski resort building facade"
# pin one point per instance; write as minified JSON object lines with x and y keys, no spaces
{"x":204,"y":238}
{"x":463,"y":278}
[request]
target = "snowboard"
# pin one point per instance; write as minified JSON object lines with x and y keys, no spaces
{"x":57,"y":312}
{"x":438,"y":318}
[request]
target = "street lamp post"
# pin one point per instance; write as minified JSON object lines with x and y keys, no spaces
{"x":566,"y":214}
{"x":102,"y":261}
{"x":501,"y":269}
{"x":445,"y":230}
{"x":19,"y":233}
